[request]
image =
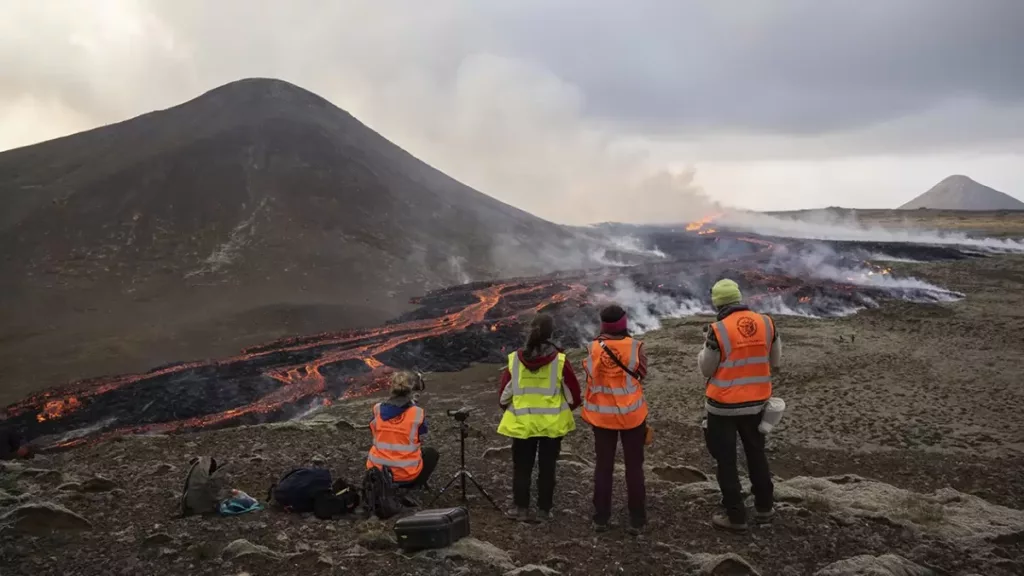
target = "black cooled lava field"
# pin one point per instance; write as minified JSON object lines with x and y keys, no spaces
{"x":480,"y":322}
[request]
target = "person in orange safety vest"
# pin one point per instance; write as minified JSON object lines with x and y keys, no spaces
{"x":740,"y":350}
{"x":614,"y":405}
{"x":397,"y":426}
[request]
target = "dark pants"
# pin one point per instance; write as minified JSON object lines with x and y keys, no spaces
{"x":430,"y":458}
{"x":605,"y":443}
{"x":524,"y":452}
{"x":721,"y":440}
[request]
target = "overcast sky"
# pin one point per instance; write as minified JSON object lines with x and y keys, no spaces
{"x":575,"y":109}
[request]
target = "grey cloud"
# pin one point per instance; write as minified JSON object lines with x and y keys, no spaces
{"x":532,"y":100}
{"x":787,"y":66}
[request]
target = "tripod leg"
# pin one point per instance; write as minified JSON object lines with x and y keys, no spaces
{"x":484,"y":492}
{"x":446,"y":487}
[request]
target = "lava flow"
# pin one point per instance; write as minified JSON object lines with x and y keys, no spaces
{"x":476,"y":322}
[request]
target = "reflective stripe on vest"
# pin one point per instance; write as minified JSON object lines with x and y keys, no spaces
{"x":742,"y":382}
{"x":613,"y":399}
{"x":517,"y":386}
{"x":405,"y":460}
{"x":538,"y":407}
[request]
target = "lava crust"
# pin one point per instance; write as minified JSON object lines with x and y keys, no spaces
{"x":479,"y":322}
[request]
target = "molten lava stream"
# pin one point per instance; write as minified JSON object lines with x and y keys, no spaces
{"x":305,"y":380}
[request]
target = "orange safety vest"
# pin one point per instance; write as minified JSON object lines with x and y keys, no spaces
{"x":743,"y":381}
{"x":613,"y":399}
{"x":396,"y":443}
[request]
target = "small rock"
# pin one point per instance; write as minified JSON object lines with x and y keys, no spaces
{"x":158,"y":539}
{"x":70,"y":487}
{"x":533,"y":570}
{"x":476,"y":551}
{"x":256,"y":459}
{"x":355,"y":552}
{"x":558,"y":561}
{"x":375,"y":535}
{"x":346,"y":425}
{"x":161,"y":468}
{"x":98,"y":484}
{"x":318,"y":460}
{"x":723,"y":565}
{"x":498,"y":452}
{"x":566,"y":456}
{"x":680,"y":474}
{"x":325,"y":561}
{"x":243,"y":548}
{"x":41,"y":518}
{"x":865,"y":564}
{"x":42,"y":474}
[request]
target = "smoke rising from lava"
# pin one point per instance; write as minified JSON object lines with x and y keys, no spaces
{"x":482,"y":322}
{"x":644,"y":309}
{"x":826,"y":226}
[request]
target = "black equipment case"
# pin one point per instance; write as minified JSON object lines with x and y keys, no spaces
{"x":432,"y":528}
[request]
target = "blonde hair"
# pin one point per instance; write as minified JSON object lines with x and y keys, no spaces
{"x":403,"y":382}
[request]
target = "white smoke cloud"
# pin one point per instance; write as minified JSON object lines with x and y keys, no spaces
{"x":644,"y":309}
{"x":456,"y":263}
{"x":824,"y":226}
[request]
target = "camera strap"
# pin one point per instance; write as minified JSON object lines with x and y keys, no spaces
{"x":617,"y":361}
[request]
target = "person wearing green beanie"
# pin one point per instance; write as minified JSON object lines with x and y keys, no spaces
{"x":741,"y":350}
{"x":725,"y":292}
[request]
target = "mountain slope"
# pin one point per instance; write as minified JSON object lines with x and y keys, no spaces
{"x":253,"y":211}
{"x":959,"y":192}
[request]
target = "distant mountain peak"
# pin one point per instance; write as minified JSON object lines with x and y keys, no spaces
{"x":960,"y":192}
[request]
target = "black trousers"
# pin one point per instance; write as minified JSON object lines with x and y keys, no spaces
{"x":721,"y":442}
{"x":524,"y":451}
{"x":430,"y":458}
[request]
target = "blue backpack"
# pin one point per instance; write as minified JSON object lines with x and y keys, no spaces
{"x":299,"y":489}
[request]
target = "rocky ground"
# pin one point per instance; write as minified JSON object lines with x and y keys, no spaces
{"x":902,"y":453}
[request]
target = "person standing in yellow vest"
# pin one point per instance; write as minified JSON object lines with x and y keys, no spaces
{"x":538,"y":392}
{"x":614,"y":405}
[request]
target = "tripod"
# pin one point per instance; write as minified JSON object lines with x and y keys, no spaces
{"x":463,"y":474}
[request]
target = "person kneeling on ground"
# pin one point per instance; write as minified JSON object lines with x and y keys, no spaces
{"x":614,"y":405}
{"x":738,"y":356}
{"x":397,"y":426}
{"x":538,"y":392}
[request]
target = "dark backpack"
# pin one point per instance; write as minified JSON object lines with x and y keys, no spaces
{"x":299,"y":489}
{"x":379,"y":496}
{"x":341,"y":500}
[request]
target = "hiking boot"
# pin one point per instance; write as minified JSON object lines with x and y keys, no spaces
{"x":722,"y":521}
{"x":522,"y":515}
{"x":636,"y":527}
{"x":544,"y":515}
{"x":600,"y":526}
{"x":764,"y":517}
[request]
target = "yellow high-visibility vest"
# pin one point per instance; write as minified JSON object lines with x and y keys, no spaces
{"x":538,"y":406}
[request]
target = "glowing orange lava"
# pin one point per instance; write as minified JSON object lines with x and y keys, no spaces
{"x":698,"y":224}
{"x":58,"y":408}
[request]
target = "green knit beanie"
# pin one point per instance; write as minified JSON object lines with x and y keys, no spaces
{"x":725,"y":292}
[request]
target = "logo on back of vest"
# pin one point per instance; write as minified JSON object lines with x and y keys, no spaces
{"x":607,"y":362}
{"x":747,"y":327}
